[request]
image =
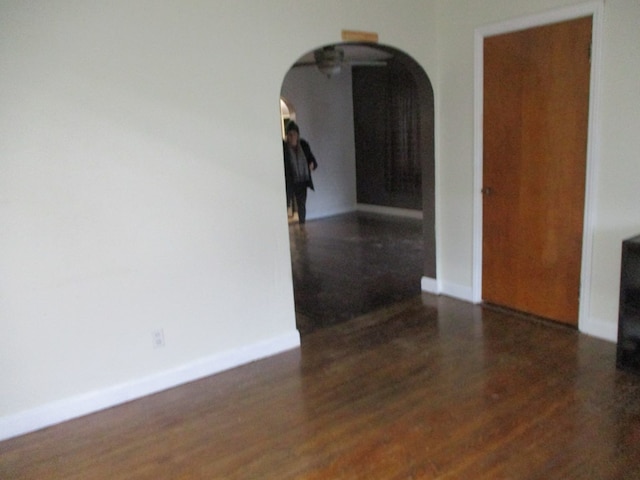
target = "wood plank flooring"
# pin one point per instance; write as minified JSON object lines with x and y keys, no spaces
{"x":427,"y":388}
{"x":347,"y":265}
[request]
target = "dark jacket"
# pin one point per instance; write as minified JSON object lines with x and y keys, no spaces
{"x":288,"y":174}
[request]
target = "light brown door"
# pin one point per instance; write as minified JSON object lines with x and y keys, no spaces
{"x":536,"y":103}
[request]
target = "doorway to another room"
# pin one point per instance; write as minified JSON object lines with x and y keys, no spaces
{"x":369,"y":239}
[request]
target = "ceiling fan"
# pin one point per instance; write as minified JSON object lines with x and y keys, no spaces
{"x":330,"y":59}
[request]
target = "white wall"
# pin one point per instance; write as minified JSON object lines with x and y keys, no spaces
{"x":324,"y":113}
{"x":141,"y":187}
{"x":136,"y":194}
{"x":618,"y":192}
{"x":141,"y":181}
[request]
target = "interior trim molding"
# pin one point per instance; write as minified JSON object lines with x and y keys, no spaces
{"x":461,"y":292}
{"x":429,"y":285}
{"x":398,"y":212}
{"x":92,"y":402}
{"x":601,"y":329}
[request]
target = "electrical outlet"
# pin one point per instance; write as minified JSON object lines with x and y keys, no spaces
{"x":157,"y":337}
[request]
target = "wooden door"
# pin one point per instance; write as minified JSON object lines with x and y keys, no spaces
{"x":536,"y":103}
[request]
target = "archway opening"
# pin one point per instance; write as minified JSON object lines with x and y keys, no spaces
{"x":329,"y":113}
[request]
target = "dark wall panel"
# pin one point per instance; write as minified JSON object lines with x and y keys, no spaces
{"x":386,"y":126}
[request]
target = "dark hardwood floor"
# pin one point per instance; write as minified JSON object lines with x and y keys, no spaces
{"x":347,"y":265}
{"x":428,"y":388}
{"x":419,"y":387}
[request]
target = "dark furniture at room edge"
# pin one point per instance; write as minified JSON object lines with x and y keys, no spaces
{"x":628,"y":348}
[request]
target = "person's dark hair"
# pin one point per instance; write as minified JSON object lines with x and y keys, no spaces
{"x":292,"y":126}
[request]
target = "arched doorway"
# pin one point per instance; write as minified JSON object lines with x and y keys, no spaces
{"x":328,"y":118}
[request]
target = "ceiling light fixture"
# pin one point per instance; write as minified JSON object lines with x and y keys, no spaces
{"x":329,"y":60}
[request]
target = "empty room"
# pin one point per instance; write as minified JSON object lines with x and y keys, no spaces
{"x":148,"y":278}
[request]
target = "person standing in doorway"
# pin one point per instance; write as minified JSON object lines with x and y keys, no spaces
{"x":299,"y":162}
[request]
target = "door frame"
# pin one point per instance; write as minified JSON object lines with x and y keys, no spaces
{"x":594,"y":9}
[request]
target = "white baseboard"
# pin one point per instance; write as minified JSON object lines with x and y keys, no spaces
{"x":312,"y":215}
{"x":398,"y":212}
{"x":78,"y":406}
{"x":600,"y":329}
{"x":457,"y":291}
{"x":429,"y":285}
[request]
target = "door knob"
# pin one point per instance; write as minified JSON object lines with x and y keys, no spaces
{"x":486,"y":191}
